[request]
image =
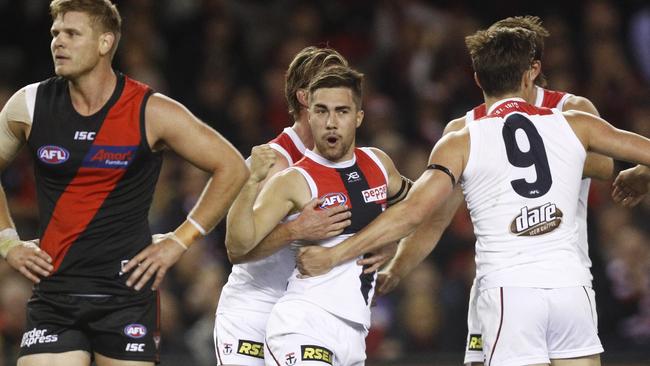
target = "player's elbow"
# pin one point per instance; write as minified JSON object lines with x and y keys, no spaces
{"x":236,"y":248}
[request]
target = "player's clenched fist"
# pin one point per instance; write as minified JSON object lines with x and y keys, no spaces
{"x":262,"y":159}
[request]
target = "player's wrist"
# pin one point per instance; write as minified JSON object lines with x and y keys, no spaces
{"x":8,"y":240}
{"x":188,"y":233}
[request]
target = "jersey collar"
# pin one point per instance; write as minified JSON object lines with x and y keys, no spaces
{"x":336,"y":165}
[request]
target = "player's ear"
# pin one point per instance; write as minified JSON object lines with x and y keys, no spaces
{"x":359,"y":117}
{"x":303,"y":97}
{"x":478,"y":83}
{"x":106,"y":41}
{"x":536,"y":69}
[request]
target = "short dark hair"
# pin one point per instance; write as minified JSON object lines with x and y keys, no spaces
{"x":532,"y":23}
{"x":339,"y":77}
{"x":102,"y":12}
{"x":500,"y":56}
{"x":305,"y":65}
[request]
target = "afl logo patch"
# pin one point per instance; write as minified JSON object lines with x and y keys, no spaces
{"x":333,"y":199}
{"x":135,"y":331}
{"x":50,"y":154}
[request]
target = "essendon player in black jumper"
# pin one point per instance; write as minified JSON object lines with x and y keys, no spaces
{"x":97,"y":136}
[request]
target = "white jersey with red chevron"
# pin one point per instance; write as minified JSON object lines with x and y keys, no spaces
{"x":361,"y":185}
{"x":555,"y":99}
{"x":520,"y":183}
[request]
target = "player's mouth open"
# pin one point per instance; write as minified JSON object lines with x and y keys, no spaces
{"x":332,"y":140}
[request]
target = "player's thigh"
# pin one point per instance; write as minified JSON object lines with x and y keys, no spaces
{"x":72,"y":358}
{"x":513,"y":326}
{"x":127,"y":327}
{"x":299,"y":333}
{"x":573,"y":323}
{"x":102,"y":360}
{"x":239,"y":338}
{"x":593,"y":360}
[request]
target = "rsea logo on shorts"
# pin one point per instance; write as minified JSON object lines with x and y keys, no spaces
{"x":135,"y":331}
{"x":537,"y":220}
{"x":333,"y":199}
{"x":53,"y":155}
{"x":316,"y":353}
{"x":37,"y":336}
{"x":475,"y":342}
{"x":110,"y":157}
{"x":250,"y":348}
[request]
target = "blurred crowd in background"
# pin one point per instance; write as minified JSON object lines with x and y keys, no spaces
{"x":225,"y":60}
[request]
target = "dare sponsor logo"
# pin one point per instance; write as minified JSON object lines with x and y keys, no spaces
{"x":111,"y":157}
{"x":51,"y":154}
{"x":333,"y":199}
{"x":135,"y":331}
{"x":37,"y":336}
{"x":374,"y":194}
{"x":316,"y":353}
{"x":250,"y":348}
{"x":475,"y":342}
{"x":537,"y":220}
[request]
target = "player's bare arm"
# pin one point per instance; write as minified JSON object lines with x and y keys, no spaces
{"x":597,"y":166}
{"x":170,"y":125}
{"x":429,"y":192}
{"x":419,"y":244}
{"x":239,"y":238}
{"x":24,"y":256}
{"x":284,"y":194}
{"x":311,"y":225}
{"x":598,"y":135}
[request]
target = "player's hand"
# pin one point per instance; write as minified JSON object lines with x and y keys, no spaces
{"x":314,"y":260}
{"x":315,"y":224}
{"x":378,"y":258}
{"x":154,"y":260}
{"x":386,"y":282}
{"x":262,"y":159}
{"x":30,"y":260}
{"x":631,"y":186}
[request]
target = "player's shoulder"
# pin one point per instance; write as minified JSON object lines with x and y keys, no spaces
{"x":580,"y":103}
{"x":454,"y":125}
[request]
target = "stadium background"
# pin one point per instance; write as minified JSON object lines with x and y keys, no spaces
{"x":225,"y":60}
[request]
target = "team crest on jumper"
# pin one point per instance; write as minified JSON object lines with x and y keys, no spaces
{"x":53,"y":155}
{"x":333,"y":199}
{"x":537,"y":220}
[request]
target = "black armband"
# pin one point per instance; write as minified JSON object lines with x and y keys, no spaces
{"x":444,"y":170}
{"x":402,"y":193}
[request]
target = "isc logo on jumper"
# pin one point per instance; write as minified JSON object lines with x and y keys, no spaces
{"x":374,"y":194}
{"x":84,"y":135}
{"x":50,"y":154}
{"x":135,"y":331}
{"x":111,"y":157}
{"x":333,"y":199}
{"x":537,"y":220}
